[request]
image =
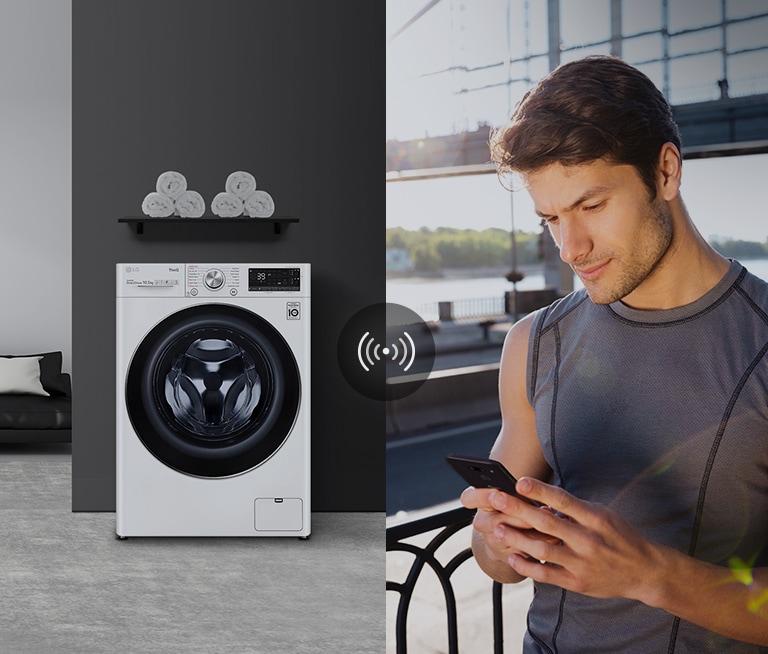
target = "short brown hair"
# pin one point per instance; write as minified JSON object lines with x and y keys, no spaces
{"x":598,"y":107}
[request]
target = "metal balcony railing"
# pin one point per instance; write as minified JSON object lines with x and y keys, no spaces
{"x":482,"y":308}
{"x":448,"y":522}
{"x":464,"y":309}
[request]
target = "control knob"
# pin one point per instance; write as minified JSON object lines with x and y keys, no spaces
{"x":214,"y":279}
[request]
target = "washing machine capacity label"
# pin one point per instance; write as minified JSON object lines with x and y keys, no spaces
{"x":293,"y":310}
{"x":164,"y":283}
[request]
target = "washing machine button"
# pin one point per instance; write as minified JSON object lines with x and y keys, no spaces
{"x":214,"y":279}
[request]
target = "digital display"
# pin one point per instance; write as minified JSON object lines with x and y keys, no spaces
{"x":274,"y":279}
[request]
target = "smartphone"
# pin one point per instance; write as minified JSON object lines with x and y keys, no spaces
{"x":485,"y":473}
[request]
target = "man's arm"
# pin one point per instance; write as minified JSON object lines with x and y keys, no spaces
{"x":595,"y":552}
{"x":517,"y":447}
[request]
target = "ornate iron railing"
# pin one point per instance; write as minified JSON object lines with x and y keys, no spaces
{"x":448,"y":522}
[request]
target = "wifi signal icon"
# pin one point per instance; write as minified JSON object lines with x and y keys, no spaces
{"x":368,"y":351}
{"x":393,"y":357}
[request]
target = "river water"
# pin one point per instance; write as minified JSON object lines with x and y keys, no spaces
{"x":422,"y":295}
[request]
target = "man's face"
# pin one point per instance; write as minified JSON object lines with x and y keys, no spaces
{"x":607,"y":228}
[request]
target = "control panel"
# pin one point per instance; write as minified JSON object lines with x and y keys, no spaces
{"x":214,"y":280}
{"x":207,"y":280}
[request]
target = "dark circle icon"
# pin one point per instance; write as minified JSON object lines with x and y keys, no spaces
{"x":386,"y":351}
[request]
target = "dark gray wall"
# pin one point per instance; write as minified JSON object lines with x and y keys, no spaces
{"x":291,"y":91}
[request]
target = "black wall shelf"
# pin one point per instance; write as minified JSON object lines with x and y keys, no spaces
{"x":278,"y":223}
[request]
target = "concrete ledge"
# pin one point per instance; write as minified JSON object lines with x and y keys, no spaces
{"x":446,"y":397}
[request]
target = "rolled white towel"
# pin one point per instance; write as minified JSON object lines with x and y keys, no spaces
{"x":226,"y":205}
{"x":240,"y":184}
{"x":157,"y":205}
{"x":259,"y":204}
{"x":171,"y":184}
{"x":190,"y":204}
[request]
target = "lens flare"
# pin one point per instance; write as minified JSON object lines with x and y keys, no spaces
{"x":742,"y":573}
{"x":662,"y":466}
{"x":741,"y":570}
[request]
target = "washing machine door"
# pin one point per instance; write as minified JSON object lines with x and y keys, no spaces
{"x":213,"y":390}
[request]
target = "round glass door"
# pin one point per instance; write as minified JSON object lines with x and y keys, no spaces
{"x":213,"y":390}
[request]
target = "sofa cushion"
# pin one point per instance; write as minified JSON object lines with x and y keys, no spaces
{"x":51,"y":377}
{"x":35,"y":412}
{"x":21,"y":375}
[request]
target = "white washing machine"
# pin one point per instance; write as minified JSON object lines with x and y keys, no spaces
{"x":213,"y":400}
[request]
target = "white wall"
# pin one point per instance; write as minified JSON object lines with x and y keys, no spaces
{"x":35,"y":177}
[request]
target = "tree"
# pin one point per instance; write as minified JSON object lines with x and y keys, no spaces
{"x":425,"y":257}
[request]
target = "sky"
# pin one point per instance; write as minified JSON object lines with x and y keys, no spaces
{"x":445,"y":74}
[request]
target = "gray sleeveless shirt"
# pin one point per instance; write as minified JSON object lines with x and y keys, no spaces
{"x":662,"y":416}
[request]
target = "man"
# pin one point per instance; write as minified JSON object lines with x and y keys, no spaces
{"x":636,"y":409}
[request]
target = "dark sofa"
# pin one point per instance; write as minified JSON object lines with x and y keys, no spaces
{"x":28,"y":418}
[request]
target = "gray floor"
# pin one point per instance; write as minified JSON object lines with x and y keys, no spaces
{"x":68,"y":585}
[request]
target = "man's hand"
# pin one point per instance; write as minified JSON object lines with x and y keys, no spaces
{"x":588,"y":548}
{"x":578,"y":546}
{"x":498,"y":515}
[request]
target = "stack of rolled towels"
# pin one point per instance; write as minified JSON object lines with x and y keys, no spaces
{"x":241,"y":196}
{"x":173,"y":199}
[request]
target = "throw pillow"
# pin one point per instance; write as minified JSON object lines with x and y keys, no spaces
{"x":51,"y":376}
{"x":21,"y":375}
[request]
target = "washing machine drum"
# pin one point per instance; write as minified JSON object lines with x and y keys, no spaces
{"x":213,"y":390}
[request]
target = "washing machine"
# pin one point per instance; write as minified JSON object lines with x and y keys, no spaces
{"x":213,"y":400}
